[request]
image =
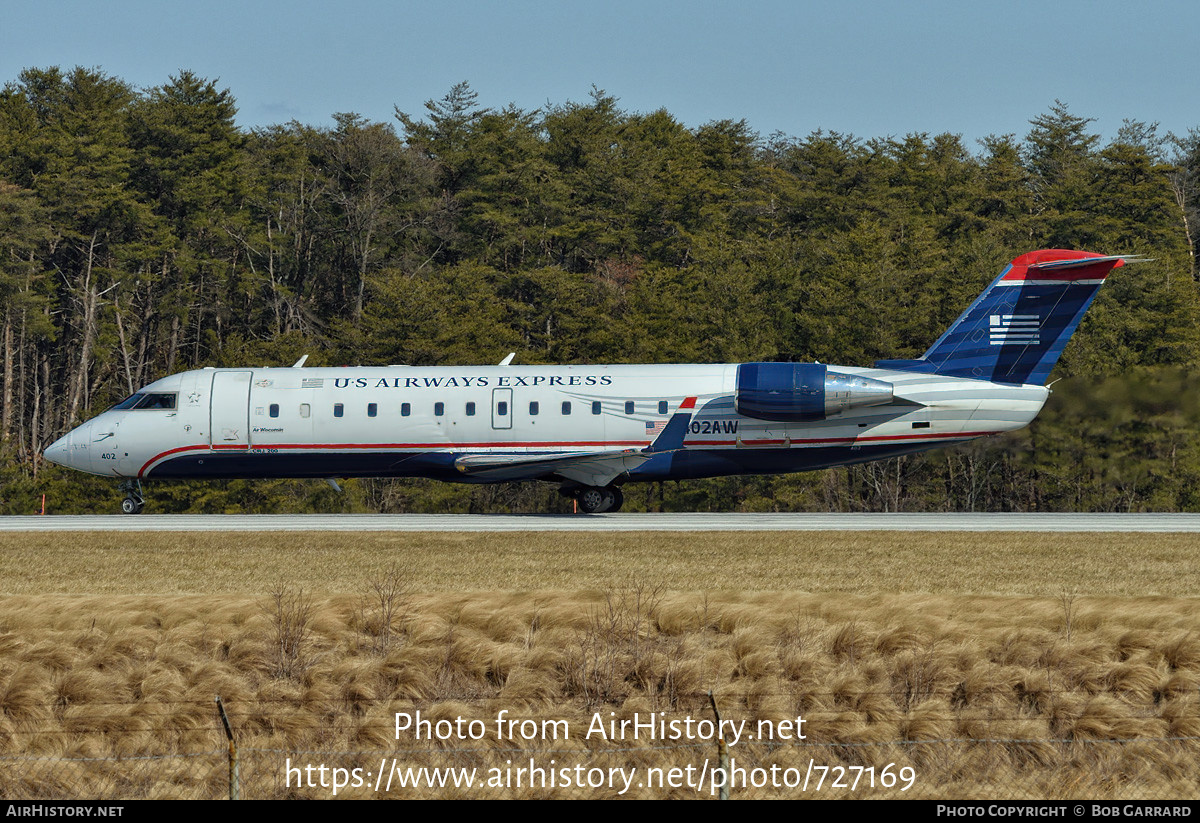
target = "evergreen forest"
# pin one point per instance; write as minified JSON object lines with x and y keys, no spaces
{"x":142,"y":232}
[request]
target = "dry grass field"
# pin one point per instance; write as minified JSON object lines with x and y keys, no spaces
{"x":1008,"y":563}
{"x":1000,"y":666}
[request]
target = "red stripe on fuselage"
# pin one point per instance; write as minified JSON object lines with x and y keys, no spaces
{"x":168,"y":453}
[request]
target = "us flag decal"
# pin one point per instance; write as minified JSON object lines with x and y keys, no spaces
{"x":1014,"y":328}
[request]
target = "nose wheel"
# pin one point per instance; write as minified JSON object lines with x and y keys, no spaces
{"x":133,"y":502}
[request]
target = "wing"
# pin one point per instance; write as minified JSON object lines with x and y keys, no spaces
{"x":597,"y":468}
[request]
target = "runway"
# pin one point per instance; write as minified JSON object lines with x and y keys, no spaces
{"x":965,"y":522}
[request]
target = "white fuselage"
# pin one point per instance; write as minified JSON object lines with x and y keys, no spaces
{"x":414,"y":421}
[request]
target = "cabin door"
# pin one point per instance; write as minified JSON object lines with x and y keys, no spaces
{"x":229,"y":426}
{"x":502,"y":409}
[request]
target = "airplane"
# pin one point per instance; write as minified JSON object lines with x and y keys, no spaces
{"x":591,"y":429}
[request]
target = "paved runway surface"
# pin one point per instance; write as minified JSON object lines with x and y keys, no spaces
{"x":610,"y":522}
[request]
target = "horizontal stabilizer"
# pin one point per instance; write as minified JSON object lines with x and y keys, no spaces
{"x":1090,"y":261}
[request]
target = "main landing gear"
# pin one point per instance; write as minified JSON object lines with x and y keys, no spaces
{"x":597,"y":499}
{"x":133,"y":502}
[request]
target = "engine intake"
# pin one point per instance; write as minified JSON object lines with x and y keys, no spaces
{"x":803,"y":391}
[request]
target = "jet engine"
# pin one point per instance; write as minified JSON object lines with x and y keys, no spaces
{"x":803,"y":391}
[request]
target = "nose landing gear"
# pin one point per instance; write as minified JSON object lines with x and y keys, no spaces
{"x":133,"y":502}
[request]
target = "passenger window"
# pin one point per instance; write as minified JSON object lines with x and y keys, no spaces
{"x":338,"y":409}
{"x":502,"y":409}
{"x":273,"y":410}
{"x":405,"y":409}
{"x":662,"y":406}
{"x":372,"y":409}
{"x":439,"y":409}
{"x":470,"y":410}
{"x":566,"y":407}
{"x":305,"y":410}
{"x":595,"y":407}
{"x":533,"y":407}
{"x":629,"y":407}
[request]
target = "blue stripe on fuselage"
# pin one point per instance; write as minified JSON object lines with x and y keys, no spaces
{"x":679,"y":465}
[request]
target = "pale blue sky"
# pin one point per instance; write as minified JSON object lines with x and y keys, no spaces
{"x":870,"y":68}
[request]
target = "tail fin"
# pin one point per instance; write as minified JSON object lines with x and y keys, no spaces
{"x":1016,"y":330}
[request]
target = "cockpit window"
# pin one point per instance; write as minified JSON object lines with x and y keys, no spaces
{"x":128,"y":402}
{"x":156,"y":401}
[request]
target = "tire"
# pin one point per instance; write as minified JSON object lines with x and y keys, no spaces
{"x":610,"y":497}
{"x":592,"y":499}
{"x":618,"y":500}
{"x":131,"y":506}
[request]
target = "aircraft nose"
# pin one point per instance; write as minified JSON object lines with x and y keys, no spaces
{"x":60,"y":450}
{"x":71,"y":450}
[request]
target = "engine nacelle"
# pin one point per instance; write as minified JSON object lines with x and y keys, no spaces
{"x":803,"y":391}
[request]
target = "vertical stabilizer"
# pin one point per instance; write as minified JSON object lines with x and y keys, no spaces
{"x":1017,"y":329}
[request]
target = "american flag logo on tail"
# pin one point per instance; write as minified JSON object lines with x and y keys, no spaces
{"x":655,"y":429}
{"x":1014,"y":328}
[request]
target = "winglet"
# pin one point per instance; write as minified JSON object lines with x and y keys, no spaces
{"x":671,"y":437}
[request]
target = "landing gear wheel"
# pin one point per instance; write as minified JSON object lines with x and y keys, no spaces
{"x":618,"y":500}
{"x":133,"y":502}
{"x":592,"y":499}
{"x":597,"y":499}
{"x":609,"y":499}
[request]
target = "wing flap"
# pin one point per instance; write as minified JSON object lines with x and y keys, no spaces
{"x":589,"y":468}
